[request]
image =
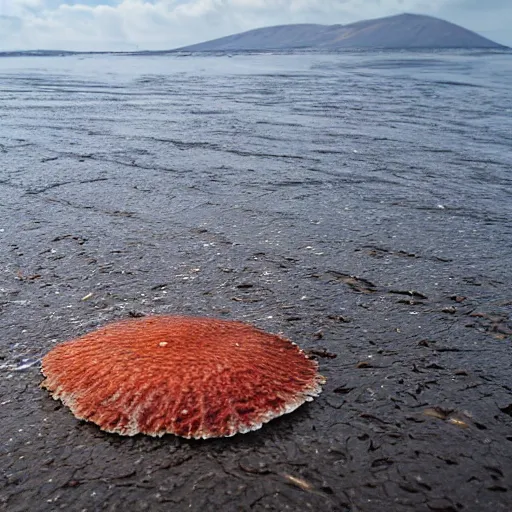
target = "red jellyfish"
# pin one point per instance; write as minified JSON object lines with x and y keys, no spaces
{"x":192,"y":377}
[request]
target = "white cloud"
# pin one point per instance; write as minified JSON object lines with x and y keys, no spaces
{"x":159,"y":24}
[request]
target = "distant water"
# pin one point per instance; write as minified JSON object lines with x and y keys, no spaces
{"x":388,"y":133}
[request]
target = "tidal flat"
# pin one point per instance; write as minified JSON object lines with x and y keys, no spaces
{"x":357,"y":203}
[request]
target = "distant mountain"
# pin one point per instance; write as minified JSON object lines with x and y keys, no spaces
{"x":404,"y":31}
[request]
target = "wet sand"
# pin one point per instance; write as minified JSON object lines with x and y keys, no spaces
{"x":360,"y":206}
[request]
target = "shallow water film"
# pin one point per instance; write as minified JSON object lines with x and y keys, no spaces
{"x":359,"y":204}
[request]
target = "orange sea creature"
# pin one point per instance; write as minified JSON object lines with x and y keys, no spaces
{"x":193,"y":377}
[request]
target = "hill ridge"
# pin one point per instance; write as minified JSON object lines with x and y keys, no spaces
{"x":401,"y":31}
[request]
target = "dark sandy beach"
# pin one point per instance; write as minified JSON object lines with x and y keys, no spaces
{"x":359,"y":204}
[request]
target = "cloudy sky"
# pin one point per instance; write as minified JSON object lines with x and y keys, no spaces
{"x":164,"y":24}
